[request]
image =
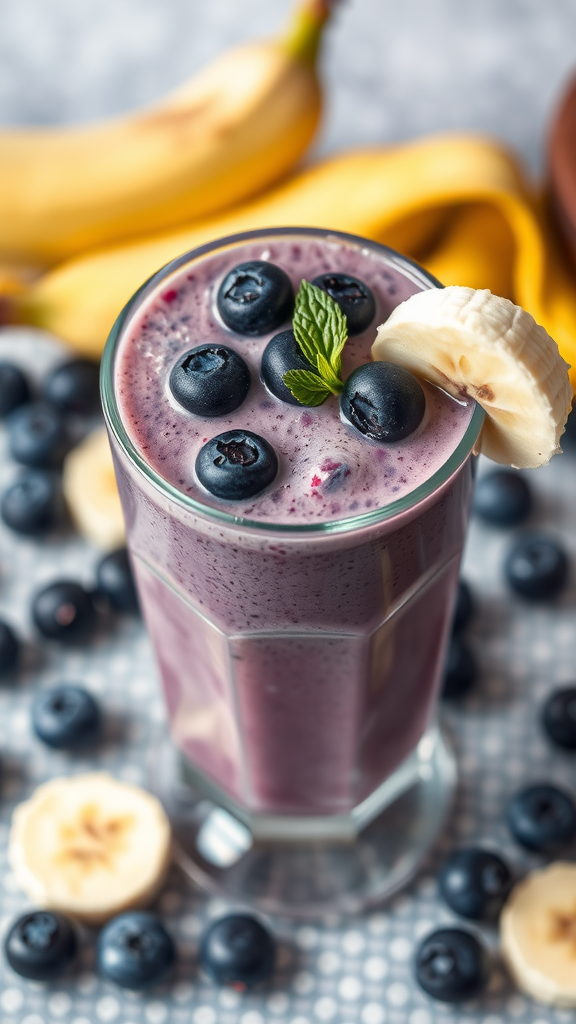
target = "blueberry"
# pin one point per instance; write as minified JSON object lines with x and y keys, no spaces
{"x":116,"y":582}
{"x":281,"y":354}
{"x":31,"y":504}
{"x":134,"y":950}
{"x":74,"y":387}
{"x":464,"y":607}
{"x":237,"y":464}
{"x":559,"y":717}
{"x":40,"y":945}
{"x":255,"y":298}
{"x":353,"y":296}
{"x":451,"y":965}
{"x":568,"y":440}
{"x":14,"y":388}
{"x":536,"y":567}
{"x":460,"y":672}
{"x":9,"y":648}
{"x":210,"y":380}
{"x":65,"y":717}
{"x":475,"y":883}
{"x":37,"y":436}
{"x":542,"y":818}
{"x":502,"y":498}
{"x":383,"y":401}
{"x":63,"y":611}
{"x":237,"y":950}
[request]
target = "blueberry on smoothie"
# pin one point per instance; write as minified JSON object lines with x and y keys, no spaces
{"x":383,"y":401}
{"x":282,"y":354}
{"x":237,"y":464}
{"x":40,"y":945}
{"x":210,"y":380}
{"x":255,"y":297}
{"x":451,"y":965}
{"x":30,"y":505}
{"x":14,"y":387}
{"x":542,"y":818}
{"x":65,"y":717}
{"x":237,"y":950}
{"x":353,"y":296}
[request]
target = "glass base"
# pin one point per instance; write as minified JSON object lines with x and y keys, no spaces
{"x":294,"y":874}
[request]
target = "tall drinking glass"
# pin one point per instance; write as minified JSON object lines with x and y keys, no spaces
{"x":300,"y":652}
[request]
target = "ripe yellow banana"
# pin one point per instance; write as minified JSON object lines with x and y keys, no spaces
{"x":456,"y":199}
{"x":234,"y":128}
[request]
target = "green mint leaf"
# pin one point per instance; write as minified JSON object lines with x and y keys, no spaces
{"x":319,"y":326}
{"x":306,"y":386}
{"x":330,"y":378}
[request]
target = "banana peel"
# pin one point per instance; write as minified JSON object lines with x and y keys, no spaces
{"x":460,"y":204}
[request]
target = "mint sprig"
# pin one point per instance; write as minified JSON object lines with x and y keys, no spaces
{"x":321,"y":332}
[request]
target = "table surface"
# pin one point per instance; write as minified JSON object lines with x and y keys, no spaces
{"x":496,"y":67}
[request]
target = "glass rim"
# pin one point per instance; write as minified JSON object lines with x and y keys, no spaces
{"x":120,"y":434}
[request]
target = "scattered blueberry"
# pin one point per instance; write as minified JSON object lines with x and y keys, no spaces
{"x":460,"y":672}
{"x":65,"y":717}
{"x":9,"y":648}
{"x":74,"y":387}
{"x":502,"y":498}
{"x":281,"y":354}
{"x":237,"y":950}
{"x":451,"y":965}
{"x":255,"y":298}
{"x":116,"y":582}
{"x":134,"y":950}
{"x":464,"y":607}
{"x":31,"y":504}
{"x":475,"y":883}
{"x":559,"y":717}
{"x":40,"y":945}
{"x":542,"y":818}
{"x":63,"y":611}
{"x":568,"y":440}
{"x":536,"y":567}
{"x":383,"y":401}
{"x":210,"y":380}
{"x":236,"y":465}
{"x":37,"y":435}
{"x":14,"y":388}
{"x":353,"y":296}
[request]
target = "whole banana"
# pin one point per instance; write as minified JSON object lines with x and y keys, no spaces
{"x":235,"y":127}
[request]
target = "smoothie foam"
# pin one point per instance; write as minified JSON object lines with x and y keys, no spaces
{"x":328,"y":470}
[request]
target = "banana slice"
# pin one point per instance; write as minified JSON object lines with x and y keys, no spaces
{"x":538,"y":934}
{"x":91,"y":493}
{"x":90,"y":846}
{"x":475,"y":344}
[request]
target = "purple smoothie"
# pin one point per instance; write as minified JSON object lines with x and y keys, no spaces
{"x":299,"y":634}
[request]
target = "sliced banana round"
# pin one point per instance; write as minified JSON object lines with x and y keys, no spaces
{"x":478,"y":345}
{"x":538,"y":934}
{"x":90,"y":846}
{"x":90,"y":491}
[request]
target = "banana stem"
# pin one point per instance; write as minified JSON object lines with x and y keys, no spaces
{"x":302,"y":38}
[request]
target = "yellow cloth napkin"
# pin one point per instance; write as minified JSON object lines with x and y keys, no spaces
{"x":458,"y":204}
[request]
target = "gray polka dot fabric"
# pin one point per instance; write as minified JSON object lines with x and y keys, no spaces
{"x":349,"y":971}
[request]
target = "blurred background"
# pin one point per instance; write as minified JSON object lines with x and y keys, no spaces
{"x":392,"y":70}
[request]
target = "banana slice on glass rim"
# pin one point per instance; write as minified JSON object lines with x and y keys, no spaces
{"x":90,"y":846}
{"x":475,"y":344}
{"x":538,"y":934}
